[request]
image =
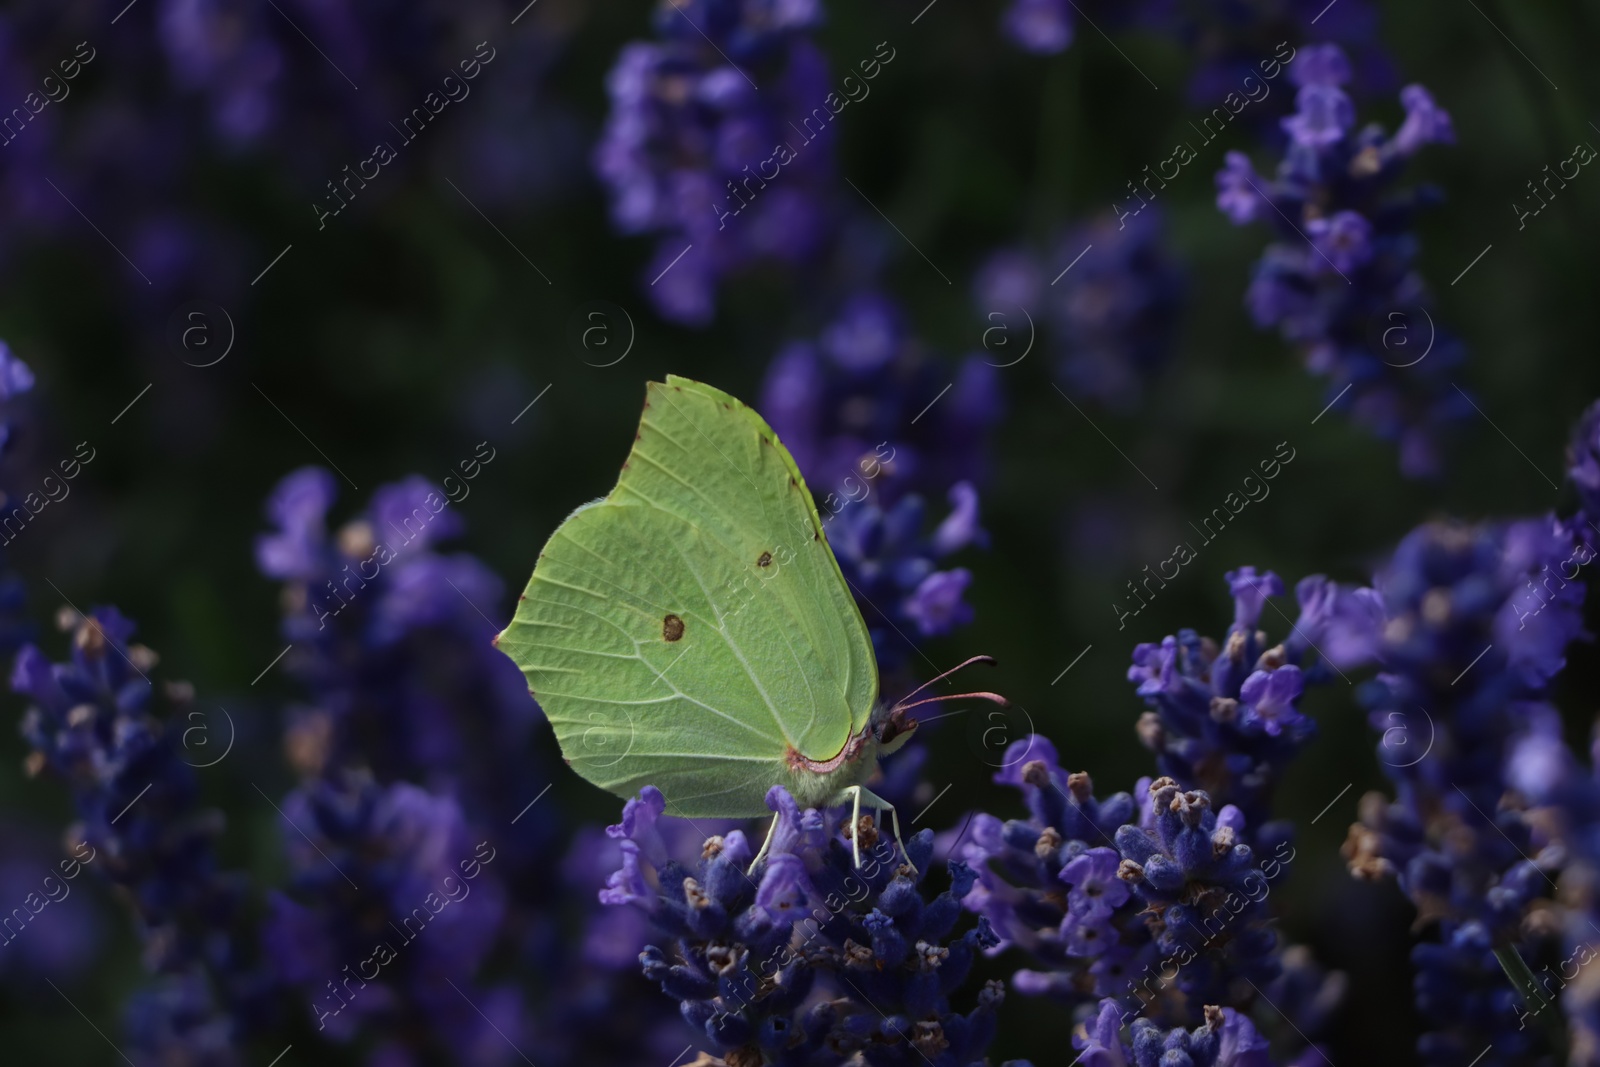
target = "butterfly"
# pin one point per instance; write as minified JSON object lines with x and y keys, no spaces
{"x":693,"y":631}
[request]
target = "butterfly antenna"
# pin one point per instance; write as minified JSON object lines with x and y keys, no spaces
{"x":990,"y":660}
{"x":964,"y":826}
{"x":957,"y":843}
{"x":996,"y":697}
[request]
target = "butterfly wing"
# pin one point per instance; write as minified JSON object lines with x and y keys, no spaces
{"x":692,"y":628}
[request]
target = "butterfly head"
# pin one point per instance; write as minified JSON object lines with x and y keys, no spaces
{"x":893,"y":725}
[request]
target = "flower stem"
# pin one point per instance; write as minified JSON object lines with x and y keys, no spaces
{"x":1527,"y":987}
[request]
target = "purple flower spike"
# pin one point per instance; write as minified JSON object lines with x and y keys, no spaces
{"x":1044,"y":27}
{"x":1243,"y":1046}
{"x":1096,"y":889}
{"x":1224,"y":714}
{"x":1155,"y":667}
{"x":1323,"y":115}
{"x":1250,"y":592}
{"x":784,"y":887}
{"x":1239,"y":190}
{"x":1344,"y":240}
{"x":936,"y":605}
{"x":1583,"y":463}
{"x":1476,"y":623}
{"x":15,"y":376}
{"x":1102,"y":1040}
{"x":1109,"y":320}
{"x":1426,"y":122}
{"x":1344,"y":248}
{"x":1343,"y":624}
{"x":1270,"y":697}
{"x":959,"y":528}
{"x":1320,"y":64}
{"x":1023,"y":751}
{"x":825,"y":953}
{"x":297,"y":507}
{"x":866,"y":335}
{"x":639,"y":818}
{"x":726,"y":176}
{"x":413,"y":514}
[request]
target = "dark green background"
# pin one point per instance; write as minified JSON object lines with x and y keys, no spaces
{"x":409,"y":331}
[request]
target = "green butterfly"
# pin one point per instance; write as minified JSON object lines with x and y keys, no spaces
{"x":693,"y":631}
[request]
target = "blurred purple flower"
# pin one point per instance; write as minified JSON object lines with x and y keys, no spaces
{"x":1341,"y":283}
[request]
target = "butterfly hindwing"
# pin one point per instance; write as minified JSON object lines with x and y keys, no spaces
{"x":691,"y":627}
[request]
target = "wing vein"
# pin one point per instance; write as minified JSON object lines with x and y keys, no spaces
{"x":710,"y":442}
{"x":733,"y":646}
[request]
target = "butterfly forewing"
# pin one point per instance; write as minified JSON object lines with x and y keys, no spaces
{"x":692,"y":627}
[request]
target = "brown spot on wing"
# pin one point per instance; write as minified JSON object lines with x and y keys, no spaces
{"x":672,"y":628}
{"x":764,"y":560}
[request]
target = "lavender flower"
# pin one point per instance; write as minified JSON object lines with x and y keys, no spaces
{"x":601,"y":1005}
{"x":1463,"y":993}
{"x":1462,"y":683}
{"x":1043,"y":26}
{"x":1229,"y":41}
{"x":15,"y":376}
{"x":749,"y":951}
{"x":393,"y":641}
{"x":393,"y":646}
{"x":1162,"y":910}
{"x":140,"y":825}
{"x":1195,"y":875}
{"x":392,"y":901}
{"x":867,"y":413}
{"x":1020,"y":866}
{"x":889,"y":560}
{"x":388,"y":630}
{"x":1565,"y":792}
{"x":16,"y":381}
{"x":1583,"y":466}
{"x":1110,"y":319}
{"x":1153,"y":904}
{"x":1233,"y":41}
{"x":1224,"y":718}
{"x":1341,"y":283}
{"x":60,"y":929}
{"x":1225,"y":1039}
{"x":733,"y":88}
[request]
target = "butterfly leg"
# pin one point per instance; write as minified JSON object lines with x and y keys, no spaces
{"x":765,"y":845}
{"x":881,"y":806}
{"x":855,"y":824}
{"x":895,"y":817}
